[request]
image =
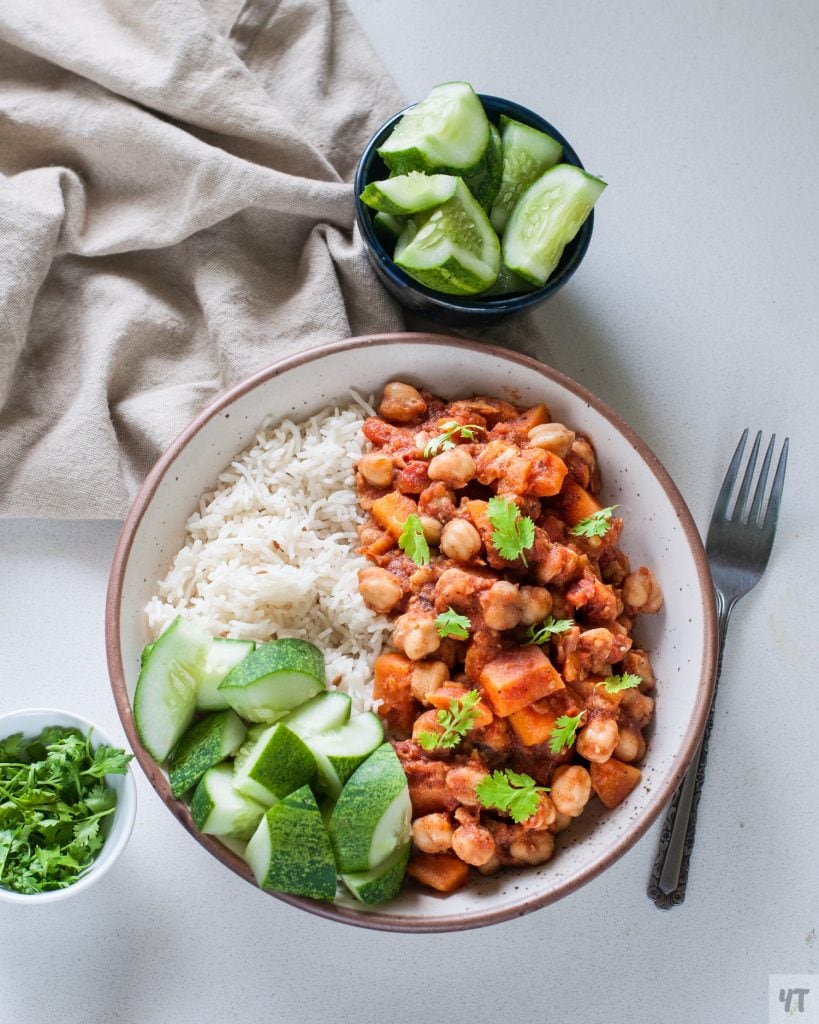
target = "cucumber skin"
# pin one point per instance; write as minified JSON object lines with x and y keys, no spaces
{"x":307,"y":866}
{"x":382,"y":883}
{"x":286,"y":655}
{"x":202,"y":747}
{"x":352,"y":842}
{"x":485,"y":187}
{"x":279,"y":774}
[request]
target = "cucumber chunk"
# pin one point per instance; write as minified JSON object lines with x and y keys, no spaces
{"x":277,"y":764}
{"x":223,"y":656}
{"x":382,"y":883}
{"x":371,"y":818}
{"x":485,"y":185}
{"x":218,"y":809}
{"x":446,"y":132}
{"x":205,"y":744}
{"x":389,"y":227}
{"x":508,"y":284}
{"x":527,"y":153}
{"x":454,"y":250}
{"x":290,"y":850}
{"x":546,"y":218}
{"x":327,"y":710}
{"x":274,"y":679}
{"x":165,"y":698}
{"x":340,"y":751}
{"x":409,"y":193}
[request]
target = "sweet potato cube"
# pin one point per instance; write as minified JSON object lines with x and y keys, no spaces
{"x":575,"y":502}
{"x":534,"y":417}
{"x":392,"y":686}
{"x":442,"y":871}
{"x":532,"y":726}
{"x":517,"y":678}
{"x":392,"y":511}
{"x":612,"y":780}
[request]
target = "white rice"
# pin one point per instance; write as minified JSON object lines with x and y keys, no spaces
{"x":271,"y":551}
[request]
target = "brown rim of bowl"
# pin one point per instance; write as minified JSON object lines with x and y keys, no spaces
{"x":371,"y":919}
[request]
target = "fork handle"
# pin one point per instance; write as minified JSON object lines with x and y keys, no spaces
{"x":669,"y":877}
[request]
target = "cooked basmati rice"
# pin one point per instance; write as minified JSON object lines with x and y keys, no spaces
{"x":271,"y":551}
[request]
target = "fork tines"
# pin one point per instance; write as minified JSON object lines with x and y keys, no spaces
{"x":756,"y":515}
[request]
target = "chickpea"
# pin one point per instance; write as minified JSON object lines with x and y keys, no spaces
{"x":637,"y":662}
{"x":536,"y":603}
{"x":641,"y":591}
{"x":544,"y":816}
{"x":432,"y":833}
{"x":491,"y":866}
{"x":561,"y":823}
{"x":427,"y":677}
{"x":473,"y":844}
{"x":401,"y":403}
{"x":461,"y":783}
{"x":571,"y":789}
{"x":416,"y":636}
{"x":380,"y":589}
{"x":532,"y":847}
{"x":454,"y":468}
{"x":376,"y":468}
{"x":552,"y":437}
{"x":432,"y":530}
{"x":426,"y":722}
{"x":460,"y":540}
{"x":502,"y":605}
{"x":597,"y":741}
{"x":639,"y":707}
{"x":631,"y":746}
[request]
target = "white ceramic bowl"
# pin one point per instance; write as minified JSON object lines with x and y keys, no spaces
{"x":659,"y":533}
{"x":31,"y":722}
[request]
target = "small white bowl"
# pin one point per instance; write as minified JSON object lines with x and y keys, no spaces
{"x":31,"y":722}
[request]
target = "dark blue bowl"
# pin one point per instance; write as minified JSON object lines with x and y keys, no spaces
{"x":470,"y":310}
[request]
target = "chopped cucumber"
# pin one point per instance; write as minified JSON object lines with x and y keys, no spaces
{"x":210,"y":741}
{"x":484,"y":186}
{"x":446,"y":132}
{"x":527,"y":153}
{"x":340,"y":751}
{"x":546,"y":218}
{"x":274,"y":679}
{"x":382,"y":883}
{"x":278,"y":763}
{"x":223,"y":656}
{"x":290,"y":850}
{"x":165,"y":698}
{"x":455,"y":249}
{"x":371,"y":818}
{"x":219,"y":810}
{"x":508,"y":284}
{"x":409,"y":193}
{"x":388,"y":226}
{"x":327,"y":710}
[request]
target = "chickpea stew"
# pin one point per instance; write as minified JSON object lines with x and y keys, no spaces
{"x":515,"y":690}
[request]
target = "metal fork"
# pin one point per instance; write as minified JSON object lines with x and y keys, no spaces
{"x":738,"y":547}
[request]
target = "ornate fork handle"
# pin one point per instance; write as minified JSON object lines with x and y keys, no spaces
{"x":669,"y":877}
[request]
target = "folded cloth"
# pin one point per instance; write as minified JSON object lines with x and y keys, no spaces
{"x":175,"y":213}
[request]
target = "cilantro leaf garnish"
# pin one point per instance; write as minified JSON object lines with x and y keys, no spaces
{"x":456,"y":723}
{"x":615,"y":684}
{"x":444,"y":442}
{"x":512,"y":533}
{"x":52,"y":805}
{"x":597,"y":524}
{"x":564,"y":732}
{"x":513,"y":792}
{"x":413,"y":542}
{"x":546,"y":630}
{"x":450,"y":623}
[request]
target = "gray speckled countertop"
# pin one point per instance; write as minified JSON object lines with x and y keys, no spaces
{"x":695,"y":313}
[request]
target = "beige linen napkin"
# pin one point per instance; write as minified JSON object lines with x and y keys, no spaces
{"x":173,"y":216}
{"x":175,"y":213}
